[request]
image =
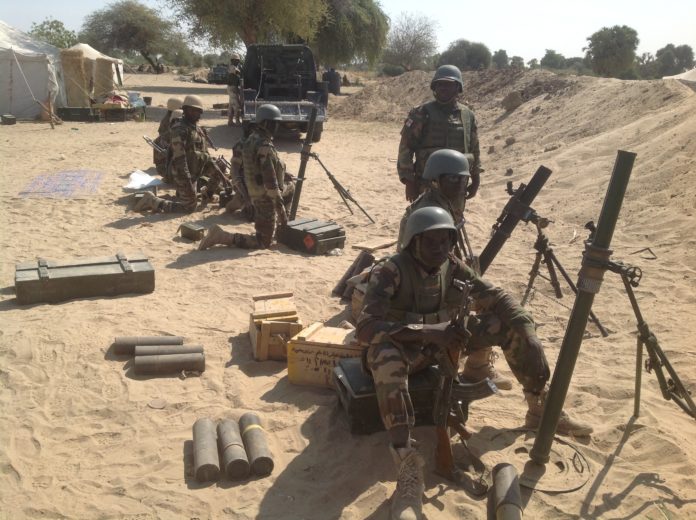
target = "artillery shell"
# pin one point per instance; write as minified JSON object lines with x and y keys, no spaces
{"x":206,"y":464}
{"x":234,"y":458}
{"x":124,"y":345}
{"x":160,"y":350}
{"x":507,"y":500}
{"x":254,"y":438}
{"x":168,"y":363}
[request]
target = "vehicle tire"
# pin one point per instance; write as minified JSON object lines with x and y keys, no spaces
{"x":318,"y":130}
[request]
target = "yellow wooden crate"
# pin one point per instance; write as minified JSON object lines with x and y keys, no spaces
{"x":314,"y":352}
{"x":272,"y":323}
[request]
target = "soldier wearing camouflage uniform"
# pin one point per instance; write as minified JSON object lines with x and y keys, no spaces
{"x":164,"y":138}
{"x":409,"y":303}
{"x":190,"y":161}
{"x":234,"y":90}
{"x":441,"y":123}
{"x":270,"y":187}
{"x":447,"y":175}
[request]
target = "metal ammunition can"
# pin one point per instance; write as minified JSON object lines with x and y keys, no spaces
{"x":192,"y":231}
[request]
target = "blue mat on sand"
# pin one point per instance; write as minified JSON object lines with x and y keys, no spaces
{"x":62,"y":185}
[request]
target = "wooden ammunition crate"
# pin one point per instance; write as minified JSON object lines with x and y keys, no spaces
{"x":55,"y":281}
{"x":312,"y":236}
{"x":272,"y":323}
{"x":314,"y":352}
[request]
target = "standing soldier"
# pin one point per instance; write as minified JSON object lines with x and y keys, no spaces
{"x":234,"y":89}
{"x":190,"y":162}
{"x":164,"y":138}
{"x":445,"y":178}
{"x":268,"y":184}
{"x":409,"y":304}
{"x":441,"y":123}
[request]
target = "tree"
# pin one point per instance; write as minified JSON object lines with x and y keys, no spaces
{"x":224,"y":24}
{"x":500,"y":59}
{"x":533,"y":63}
{"x":671,"y":60}
{"x":126,"y":26}
{"x":351,"y":30}
{"x":517,"y":62}
{"x":53,"y":32}
{"x":553,"y":60}
{"x":612,"y":50}
{"x":466,"y":55}
{"x":410,"y":42}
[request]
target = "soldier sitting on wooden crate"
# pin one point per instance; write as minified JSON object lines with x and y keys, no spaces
{"x":408,"y":306}
{"x":270,"y":187}
{"x":190,"y":162}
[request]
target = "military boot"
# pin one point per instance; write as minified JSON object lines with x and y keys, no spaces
{"x":479,"y":366}
{"x":216,"y":235}
{"x":407,"y":500}
{"x":147,"y":202}
{"x":566,"y":424}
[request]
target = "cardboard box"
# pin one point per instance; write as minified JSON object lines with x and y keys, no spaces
{"x":314,"y":352}
{"x":272,"y":323}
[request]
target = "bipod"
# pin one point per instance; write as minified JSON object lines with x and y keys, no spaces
{"x":545,"y":253}
{"x":344,"y":193}
{"x":672,"y":389}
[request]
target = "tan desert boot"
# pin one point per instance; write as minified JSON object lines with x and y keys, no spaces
{"x":216,"y":235}
{"x":479,"y":366}
{"x":407,"y":500}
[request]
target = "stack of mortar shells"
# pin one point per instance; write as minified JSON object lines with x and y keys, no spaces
{"x":160,"y":354}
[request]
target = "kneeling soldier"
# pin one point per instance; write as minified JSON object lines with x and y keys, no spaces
{"x":409,"y":303}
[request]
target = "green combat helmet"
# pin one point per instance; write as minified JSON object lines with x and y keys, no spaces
{"x":426,"y":219}
{"x":193,"y":102}
{"x":446,"y":162}
{"x":268,"y":112}
{"x":449,"y":73}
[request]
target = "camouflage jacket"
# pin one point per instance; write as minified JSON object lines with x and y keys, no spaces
{"x":234,"y":76}
{"x":376,"y":322}
{"x":431,"y":197}
{"x":433,"y":126}
{"x":189,"y":150}
{"x":264,"y":172}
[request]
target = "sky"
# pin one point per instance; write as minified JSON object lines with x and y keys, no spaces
{"x":521,"y":28}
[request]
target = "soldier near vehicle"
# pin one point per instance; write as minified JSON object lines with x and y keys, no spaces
{"x":190,"y":162}
{"x":163,"y":139}
{"x":441,"y":123}
{"x":409,"y":304}
{"x":269,"y":186}
{"x":446,"y":178}
{"x":234,"y":90}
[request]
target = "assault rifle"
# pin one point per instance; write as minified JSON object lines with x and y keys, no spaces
{"x":451,"y":408}
{"x":154,"y":145}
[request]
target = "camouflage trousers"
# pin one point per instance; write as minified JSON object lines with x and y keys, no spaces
{"x":265,"y":220}
{"x":391,"y":364}
{"x":186,"y":195}
{"x":235,"y":107}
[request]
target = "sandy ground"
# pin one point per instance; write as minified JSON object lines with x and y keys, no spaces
{"x":78,"y":439}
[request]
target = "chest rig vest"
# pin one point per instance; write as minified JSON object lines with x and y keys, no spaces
{"x":423,"y":300}
{"x":194,"y":144}
{"x":253,"y":176}
{"x":443,"y":128}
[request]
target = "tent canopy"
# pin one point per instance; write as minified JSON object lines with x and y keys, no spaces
{"x":29,"y":73}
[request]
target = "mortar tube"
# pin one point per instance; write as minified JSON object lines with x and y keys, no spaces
{"x":162,"y":350}
{"x":255,"y":444}
{"x":589,"y":283}
{"x":205,"y":454}
{"x":125,"y":345}
{"x":168,"y":364}
{"x":507,"y":500}
{"x":234,"y":458}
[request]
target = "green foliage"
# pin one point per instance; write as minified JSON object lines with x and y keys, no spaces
{"x":517,"y":62}
{"x":393,"y":70}
{"x":351,"y":30}
{"x":128,"y":25}
{"x":612,"y":50}
{"x":53,"y":32}
{"x":673,"y":60}
{"x":411,"y":42}
{"x":553,"y":60}
{"x":466,"y":55}
{"x":533,"y":63}
{"x":227,"y":23}
{"x":500,"y":59}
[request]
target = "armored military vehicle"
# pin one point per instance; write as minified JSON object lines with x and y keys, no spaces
{"x":285,"y":75}
{"x":218,"y":74}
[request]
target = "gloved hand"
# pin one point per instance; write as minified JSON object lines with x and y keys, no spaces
{"x":473,"y":186}
{"x":446,"y":335}
{"x":411,"y":189}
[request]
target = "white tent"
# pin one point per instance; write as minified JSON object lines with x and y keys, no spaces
{"x":91,"y":54}
{"x":29,"y":74}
